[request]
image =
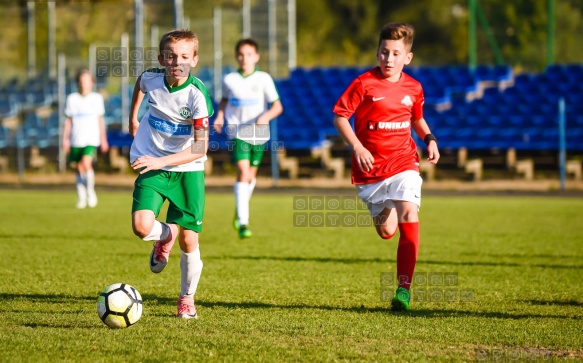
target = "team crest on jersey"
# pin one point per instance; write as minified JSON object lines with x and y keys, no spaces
{"x":407,"y":101}
{"x":185,"y":112}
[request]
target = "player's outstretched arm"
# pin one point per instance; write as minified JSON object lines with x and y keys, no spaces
{"x":274,"y":110}
{"x":104,"y":145}
{"x":422,"y":130}
{"x":220,"y":119}
{"x":363,"y":157}
{"x":137,"y":99}
{"x":66,"y":143}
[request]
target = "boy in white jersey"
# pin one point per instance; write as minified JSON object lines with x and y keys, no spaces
{"x":169,"y":149}
{"x":250,"y":101}
{"x":84,"y":131}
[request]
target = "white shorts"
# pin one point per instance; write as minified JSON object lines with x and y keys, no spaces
{"x":405,"y":186}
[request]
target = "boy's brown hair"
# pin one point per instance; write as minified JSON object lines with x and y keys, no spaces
{"x":397,"y":31}
{"x":176,"y":35}
{"x":82,"y":72}
{"x":247,"y":41}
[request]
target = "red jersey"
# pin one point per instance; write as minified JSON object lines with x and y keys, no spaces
{"x":383,"y":113}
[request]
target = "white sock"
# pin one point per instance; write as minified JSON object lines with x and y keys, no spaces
{"x":90,"y":179}
{"x":159,"y":232}
{"x":191,"y":269}
{"x":80,"y":183}
{"x":242,"y":202}
{"x":252,"y":187}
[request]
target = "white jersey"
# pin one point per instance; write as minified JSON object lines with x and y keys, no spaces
{"x":248,"y":97}
{"x":84,"y":112}
{"x":168,"y":126}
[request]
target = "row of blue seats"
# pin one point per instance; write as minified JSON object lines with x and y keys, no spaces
{"x":307,"y":119}
{"x":483,"y":138}
{"x":443,"y":74}
{"x":43,"y":137}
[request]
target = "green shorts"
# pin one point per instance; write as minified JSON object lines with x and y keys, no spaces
{"x":184,"y":191}
{"x":243,"y":150}
{"x":77,"y":153}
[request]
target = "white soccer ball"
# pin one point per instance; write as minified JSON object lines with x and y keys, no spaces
{"x":119,"y":305}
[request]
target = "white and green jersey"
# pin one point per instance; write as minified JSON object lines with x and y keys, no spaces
{"x":84,"y":112}
{"x":248,"y":97}
{"x":168,"y":125}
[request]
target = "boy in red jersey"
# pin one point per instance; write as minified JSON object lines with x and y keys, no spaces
{"x":387,"y":104}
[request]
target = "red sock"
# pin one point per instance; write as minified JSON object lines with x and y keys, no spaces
{"x":407,"y":253}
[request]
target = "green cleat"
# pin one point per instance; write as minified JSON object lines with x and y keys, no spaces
{"x":401,"y":300}
{"x":244,"y":232}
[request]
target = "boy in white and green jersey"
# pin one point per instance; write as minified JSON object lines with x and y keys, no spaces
{"x":169,"y":149}
{"x":83,"y":133}
{"x":250,"y":101}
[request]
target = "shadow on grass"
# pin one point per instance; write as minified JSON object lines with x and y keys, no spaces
{"x":305,"y":259}
{"x":386,"y":260}
{"x":415,"y":313}
{"x":516,"y":255}
{"x":555,"y":302}
{"x":420,"y":313}
{"x":48,"y":298}
{"x":60,"y":326}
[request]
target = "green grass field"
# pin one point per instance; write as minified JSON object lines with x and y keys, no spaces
{"x":295,"y":293}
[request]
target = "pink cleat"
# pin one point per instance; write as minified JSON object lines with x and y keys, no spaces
{"x":161,"y":251}
{"x":186,"y":308}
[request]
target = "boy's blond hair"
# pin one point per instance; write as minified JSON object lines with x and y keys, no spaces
{"x":398,"y":31}
{"x":176,"y":35}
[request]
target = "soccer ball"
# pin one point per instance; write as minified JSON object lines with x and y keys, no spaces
{"x":119,"y":305}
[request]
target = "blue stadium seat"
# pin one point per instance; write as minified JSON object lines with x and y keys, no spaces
{"x":503,"y":73}
{"x":20,"y":138}
{"x":5,"y":137}
{"x":517,"y":120}
{"x":297,"y":138}
{"x":491,"y":95}
{"x":463,"y":81}
{"x":545,"y":138}
{"x":31,"y":125}
{"x":119,"y":139}
{"x":445,"y":134}
{"x":46,"y":138}
{"x":484,"y":138}
{"x":436,"y":95}
{"x":38,"y":99}
{"x":538,"y":120}
{"x":479,"y":107}
{"x":496,"y":120}
{"x":489,"y":73}
{"x":512,"y":95}
{"x":53,"y":119}
{"x":8,"y":107}
{"x":485,"y":73}
{"x":448,"y":121}
{"x":573,"y":138}
{"x":501,"y":109}
{"x":557,"y":73}
{"x":575,"y":73}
